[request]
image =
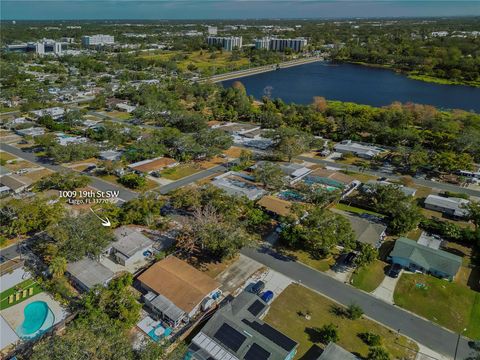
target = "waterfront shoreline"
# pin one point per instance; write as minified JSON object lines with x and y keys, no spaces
{"x":260,"y":69}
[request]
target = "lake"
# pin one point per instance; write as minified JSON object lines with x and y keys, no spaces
{"x":356,"y":83}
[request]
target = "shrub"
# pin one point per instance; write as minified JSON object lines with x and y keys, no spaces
{"x":327,"y":333}
{"x":354,"y":312}
{"x":370,"y":339}
{"x":378,"y":353}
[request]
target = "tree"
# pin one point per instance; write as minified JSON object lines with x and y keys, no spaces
{"x":289,"y":142}
{"x":319,"y":104}
{"x":76,"y":237}
{"x":317,"y":232}
{"x":378,"y":353}
{"x":133,"y":181}
{"x":473,"y":208}
{"x":144,"y":210}
{"x":367,"y":254}
{"x":24,"y":216}
{"x":209,"y":231}
{"x":63,"y":181}
{"x":98,"y":103}
{"x":58,"y":266}
{"x":270,"y":175}
{"x":354,"y":312}
{"x":327,"y":333}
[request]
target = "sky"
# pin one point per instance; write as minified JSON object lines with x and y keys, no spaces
{"x":230,"y":9}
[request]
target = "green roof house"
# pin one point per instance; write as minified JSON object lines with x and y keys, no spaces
{"x":416,"y":257}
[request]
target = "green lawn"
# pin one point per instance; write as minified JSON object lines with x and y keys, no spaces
{"x":449,"y":304}
{"x":369,"y":277}
{"x":284,"y":314}
{"x":305,"y":258}
{"x":19,"y":287}
{"x":180,"y":171}
{"x":356,"y":210}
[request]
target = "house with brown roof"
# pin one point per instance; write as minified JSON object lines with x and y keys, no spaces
{"x":15,"y":183}
{"x":175,"y":290}
{"x":151,"y":165}
{"x":275,"y":205}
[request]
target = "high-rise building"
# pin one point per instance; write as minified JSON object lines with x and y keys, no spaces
{"x":212,"y":30}
{"x":262,"y":44}
{"x":281,"y":44}
{"x":227,"y":43}
{"x":99,"y":39}
{"x":41,"y":47}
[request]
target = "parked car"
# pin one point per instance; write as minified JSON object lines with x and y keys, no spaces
{"x":394,"y":271}
{"x":349,"y":258}
{"x":267,"y":296}
{"x":258,"y":287}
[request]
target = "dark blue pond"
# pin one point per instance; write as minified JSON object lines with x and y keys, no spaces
{"x":359,"y":84}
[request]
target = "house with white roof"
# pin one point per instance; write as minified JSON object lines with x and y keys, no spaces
{"x":450,"y":206}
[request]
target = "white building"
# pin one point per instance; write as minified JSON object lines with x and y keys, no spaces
{"x":212,"y":30}
{"x":452,"y":206}
{"x":227,"y":43}
{"x":281,"y":44}
{"x":99,"y":39}
{"x":42,"y":47}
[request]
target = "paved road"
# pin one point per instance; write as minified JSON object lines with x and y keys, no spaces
{"x":421,"y":182}
{"x":97,"y":183}
{"x":423,"y":331}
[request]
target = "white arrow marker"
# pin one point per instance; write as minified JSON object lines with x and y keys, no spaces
{"x":105,"y":222}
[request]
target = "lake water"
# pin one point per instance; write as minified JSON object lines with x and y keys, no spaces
{"x":356,"y":83}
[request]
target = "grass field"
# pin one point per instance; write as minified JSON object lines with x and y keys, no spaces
{"x":284,"y":315}
{"x":305,"y":258}
{"x":369,"y":277}
{"x":356,"y":210}
{"x":202,"y":60}
{"x":449,"y":304}
{"x":359,"y":176}
{"x":19,"y":287}
{"x":6,"y":156}
{"x":180,"y":171}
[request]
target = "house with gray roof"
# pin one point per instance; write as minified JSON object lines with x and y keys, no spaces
{"x":86,"y":273}
{"x":407,"y":191}
{"x":15,"y":183}
{"x":130,"y":247}
{"x":450,"y":206}
{"x":238,"y":184}
{"x":416,"y":257}
{"x":236,"y":332}
{"x":367,"y":231}
{"x":358,"y":149}
{"x":335,"y":352}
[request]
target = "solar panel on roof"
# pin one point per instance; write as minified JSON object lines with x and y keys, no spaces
{"x":272,"y":334}
{"x":229,"y":337}
{"x":256,"y":352}
{"x":256,"y":308}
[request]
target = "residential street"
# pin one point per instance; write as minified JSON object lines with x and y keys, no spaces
{"x":423,"y":331}
{"x":97,"y":183}
{"x":216,"y":170}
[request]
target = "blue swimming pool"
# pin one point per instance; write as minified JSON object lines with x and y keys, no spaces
{"x":38,"y":318}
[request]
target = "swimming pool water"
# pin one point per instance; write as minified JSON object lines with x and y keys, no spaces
{"x":38,"y":318}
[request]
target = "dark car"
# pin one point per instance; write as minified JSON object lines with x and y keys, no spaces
{"x":394,"y":271}
{"x":258,"y":287}
{"x":349,"y":258}
{"x":267,"y":296}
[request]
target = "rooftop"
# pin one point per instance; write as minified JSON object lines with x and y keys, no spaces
{"x":275,"y":205}
{"x":451,"y":203}
{"x":90,"y":272}
{"x":152,"y":164}
{"x":235,"y":183}
{"x":130,"y":241}
{"x":15,"y":182}
{"x":427,"y":257}
{"x":335,"y":352}
{"x":179,"y":282}
{"x":367,"y":232}
{"x":236,"y":332}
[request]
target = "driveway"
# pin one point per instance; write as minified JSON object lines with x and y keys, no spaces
{"x":237,"y":274}
{"x":274,"y":281}
{"x":386,"y":288}
{"x":423,"y":331}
